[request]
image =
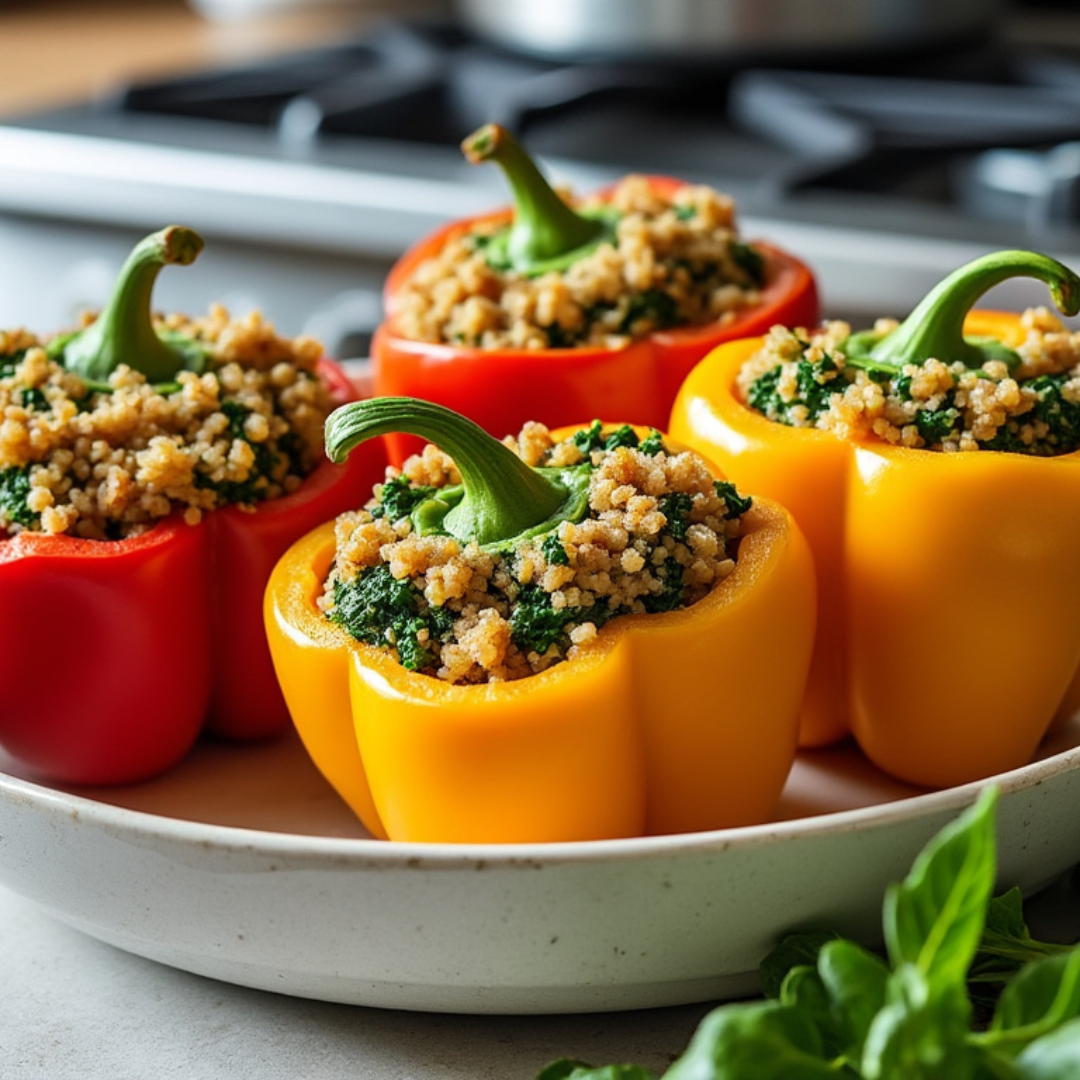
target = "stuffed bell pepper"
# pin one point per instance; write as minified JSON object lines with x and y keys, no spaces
{"x":934,"y":466}
{"x":555,"y":312}
{"x":570,"y":635}
{"x":152,"y":471}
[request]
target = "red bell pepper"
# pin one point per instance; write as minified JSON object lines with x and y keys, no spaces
{"x":501,"y":389}
{"x":115,"y":654}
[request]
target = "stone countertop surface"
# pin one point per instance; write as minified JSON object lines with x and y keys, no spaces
{"x":73,"y":1008}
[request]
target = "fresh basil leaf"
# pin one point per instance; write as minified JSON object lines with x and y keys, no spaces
{"x":934,"y":918}
{"x":1053,"y":1057}
{"x":856,"y":981}
{"x":991,"y":1066}
{"x":1007,"y":943}
{"x":561,"y":1069}
{"x":922,"y":1032}
{"x":794,"y":950}
{"x":1005,"y":915}
{"x":803,"y":990}
{"x":762,"y":1040}
{"x":1042,"y":996}
{"x":568,"y":1069}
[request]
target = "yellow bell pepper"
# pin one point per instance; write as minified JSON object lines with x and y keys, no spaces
{"x":665,"y":723}
{"x":947,"y":630}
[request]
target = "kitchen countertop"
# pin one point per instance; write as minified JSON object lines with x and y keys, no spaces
{"x":59,"y":51}
{"x":73,"y":1008}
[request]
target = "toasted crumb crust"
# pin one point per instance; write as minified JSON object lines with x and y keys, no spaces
{"x":103,"y":465}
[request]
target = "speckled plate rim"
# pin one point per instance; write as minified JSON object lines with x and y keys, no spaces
{"x":372,"y":853}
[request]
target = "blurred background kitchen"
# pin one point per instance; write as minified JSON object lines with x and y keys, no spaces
{"x":885,"y":141}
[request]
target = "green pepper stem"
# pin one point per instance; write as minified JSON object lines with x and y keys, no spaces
{"x":124,"y":332}
{"x":544,"y":228}
{"x":936,"y":327}
{"x":503,"y":497}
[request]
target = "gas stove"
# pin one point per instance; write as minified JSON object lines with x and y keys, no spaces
{"x":309,"y":174}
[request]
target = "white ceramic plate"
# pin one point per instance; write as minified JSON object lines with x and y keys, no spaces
{"x":242,"y":865}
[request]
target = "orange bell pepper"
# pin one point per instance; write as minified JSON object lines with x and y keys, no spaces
{"x":503,"y":388}
{"x":664,"y":723}
{"x":946,"y":630}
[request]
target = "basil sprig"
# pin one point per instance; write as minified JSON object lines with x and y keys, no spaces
{"x":838,"y":1010}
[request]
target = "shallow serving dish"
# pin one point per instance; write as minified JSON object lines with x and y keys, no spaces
{"x":242,"y":864}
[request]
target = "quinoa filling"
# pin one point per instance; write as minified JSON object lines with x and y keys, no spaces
{"x":105,"y":462}
{"x":659,"y":533}
{"x":807,"y":380}
{"x":675,"y":262}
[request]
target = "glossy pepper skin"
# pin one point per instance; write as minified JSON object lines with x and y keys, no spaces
{"x":501,"y":389}
{"x":946,"y":630}
{"x":115,"y":654}
{"x":666,"y":723}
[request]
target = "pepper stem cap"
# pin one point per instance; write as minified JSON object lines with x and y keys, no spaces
{"x":124,"y":332}
{"x":935,"y":328}
{"x":503,"y":497}
{"x":546,"y":232}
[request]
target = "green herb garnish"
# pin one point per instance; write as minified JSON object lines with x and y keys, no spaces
{"x":834,"y":1009}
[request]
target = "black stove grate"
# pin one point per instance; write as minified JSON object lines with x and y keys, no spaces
{"x":903,"y":125}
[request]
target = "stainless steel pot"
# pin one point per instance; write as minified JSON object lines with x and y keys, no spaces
{"x":720,"y":29}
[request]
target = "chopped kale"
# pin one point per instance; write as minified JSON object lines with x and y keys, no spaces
{"x":654,"y":305}
{"x":251,"y":490}
{"x":290,"y":445}
{"x":593,"y":438}
{"x":32,"y":398}
{"x":9,"y":362}
{"x":14,"y":491}
{"x":560,"y":338}
{"x":763,"y":395}
{"x":623,"y":436}
{"x":737,"y":504}
{"x":413,"y":653}
{"x":670,"y":596}
{"x":398,"y":498}
{"x":378,"y":609}
{"x":935,"y":425}
{"x":653,"y":444}
{"x":589,"y":439}
{"x":1061,"y":417}
{"x":535,"y":625}
{"x":813,"y":389}
{"x":676,"y":507}
{"x":749,"y":261}
{"x":1059,"y":414}
{"x":697,"y":271}
{"x":552,"y":549}
{"x":685,"y":212}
